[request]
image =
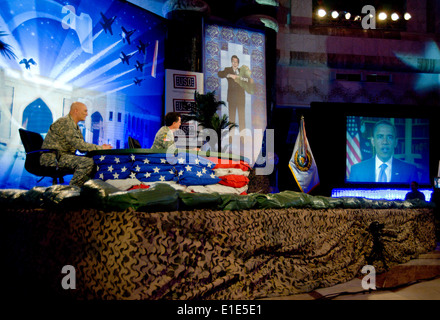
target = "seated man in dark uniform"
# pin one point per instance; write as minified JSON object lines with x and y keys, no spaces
{"x":415,"y":193}
{"x":65,"y":136}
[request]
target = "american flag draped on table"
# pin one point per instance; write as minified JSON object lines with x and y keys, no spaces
{"x":186,"y":169}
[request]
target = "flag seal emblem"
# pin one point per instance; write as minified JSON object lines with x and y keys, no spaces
{"x":303,"y":162}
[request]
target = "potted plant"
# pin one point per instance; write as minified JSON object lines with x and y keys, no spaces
{"x":204,"y":111}
{"x":6,"y":49}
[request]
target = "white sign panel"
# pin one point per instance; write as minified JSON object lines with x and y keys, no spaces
{"x":179,"y":93}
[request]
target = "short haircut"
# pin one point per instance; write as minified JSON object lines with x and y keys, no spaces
{"x":385,"y":123}
{"x":76,"y":105}
{"x":171,"y":117}
{"x":234,"y":56}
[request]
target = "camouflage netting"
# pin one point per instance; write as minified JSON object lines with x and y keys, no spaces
{"x":160,"y":243}
{"x":162,"y":197}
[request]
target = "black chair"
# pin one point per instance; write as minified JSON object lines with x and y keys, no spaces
{"x":133,"y":143}
{"x":32,"y":143}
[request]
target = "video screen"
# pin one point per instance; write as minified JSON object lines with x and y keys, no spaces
{"x":235,"y":69}
{"x":108,"y":54}
{"x":387,"y":150}
{"x":437,"y":182}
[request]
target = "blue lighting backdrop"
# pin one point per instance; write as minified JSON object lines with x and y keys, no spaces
{"x":107,"y":54}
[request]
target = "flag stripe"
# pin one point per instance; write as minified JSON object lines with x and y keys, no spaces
{"x":353,"y":154}
{"x":354,"y":148}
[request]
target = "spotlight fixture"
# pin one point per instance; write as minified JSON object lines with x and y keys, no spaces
{"x":347,"y":15}
{"x":407,"y":16}
{"x":321,"y":13}
{"x":394,"y":17}
{"x":382,"y":16}
{"x":335,"y":14}
{"x":357,"y":18}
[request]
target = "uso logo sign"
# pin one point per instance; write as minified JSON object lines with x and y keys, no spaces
{"x":183,"y":81}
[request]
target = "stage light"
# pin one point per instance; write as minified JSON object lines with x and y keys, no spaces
{"x":407,"y":16}
{"x":347,"y":15}
{"x":321,"y":13}
{"x":382,"y":16}
{"x":335,"y":14}
{"x":394,"y":17}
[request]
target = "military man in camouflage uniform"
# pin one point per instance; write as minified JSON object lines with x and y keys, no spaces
{"x":65,"y":136}
{"x":164,"y":138}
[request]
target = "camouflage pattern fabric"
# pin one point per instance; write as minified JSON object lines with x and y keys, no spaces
{"x":164,"y":139}
{"x":245,"y":80}
{"x":65,"y":136}
{"x":204,"y":254}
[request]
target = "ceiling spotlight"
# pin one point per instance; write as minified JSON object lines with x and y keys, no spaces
{"x":321,"y":13}
{"x":407,"y":16}
{"x":394,"y":17}
{"x":347,"y":15}
{"x":335,"y":14}
{"x":382,"y":16}
{"x":357,"y":18}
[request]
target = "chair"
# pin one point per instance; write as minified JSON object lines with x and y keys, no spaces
{"x":133,"y":143}
{"x":32,"y":143}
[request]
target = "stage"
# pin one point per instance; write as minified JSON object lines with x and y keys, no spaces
{"x":201,"y":246}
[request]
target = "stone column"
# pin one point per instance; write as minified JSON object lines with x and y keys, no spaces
{"x":183,"y":44}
